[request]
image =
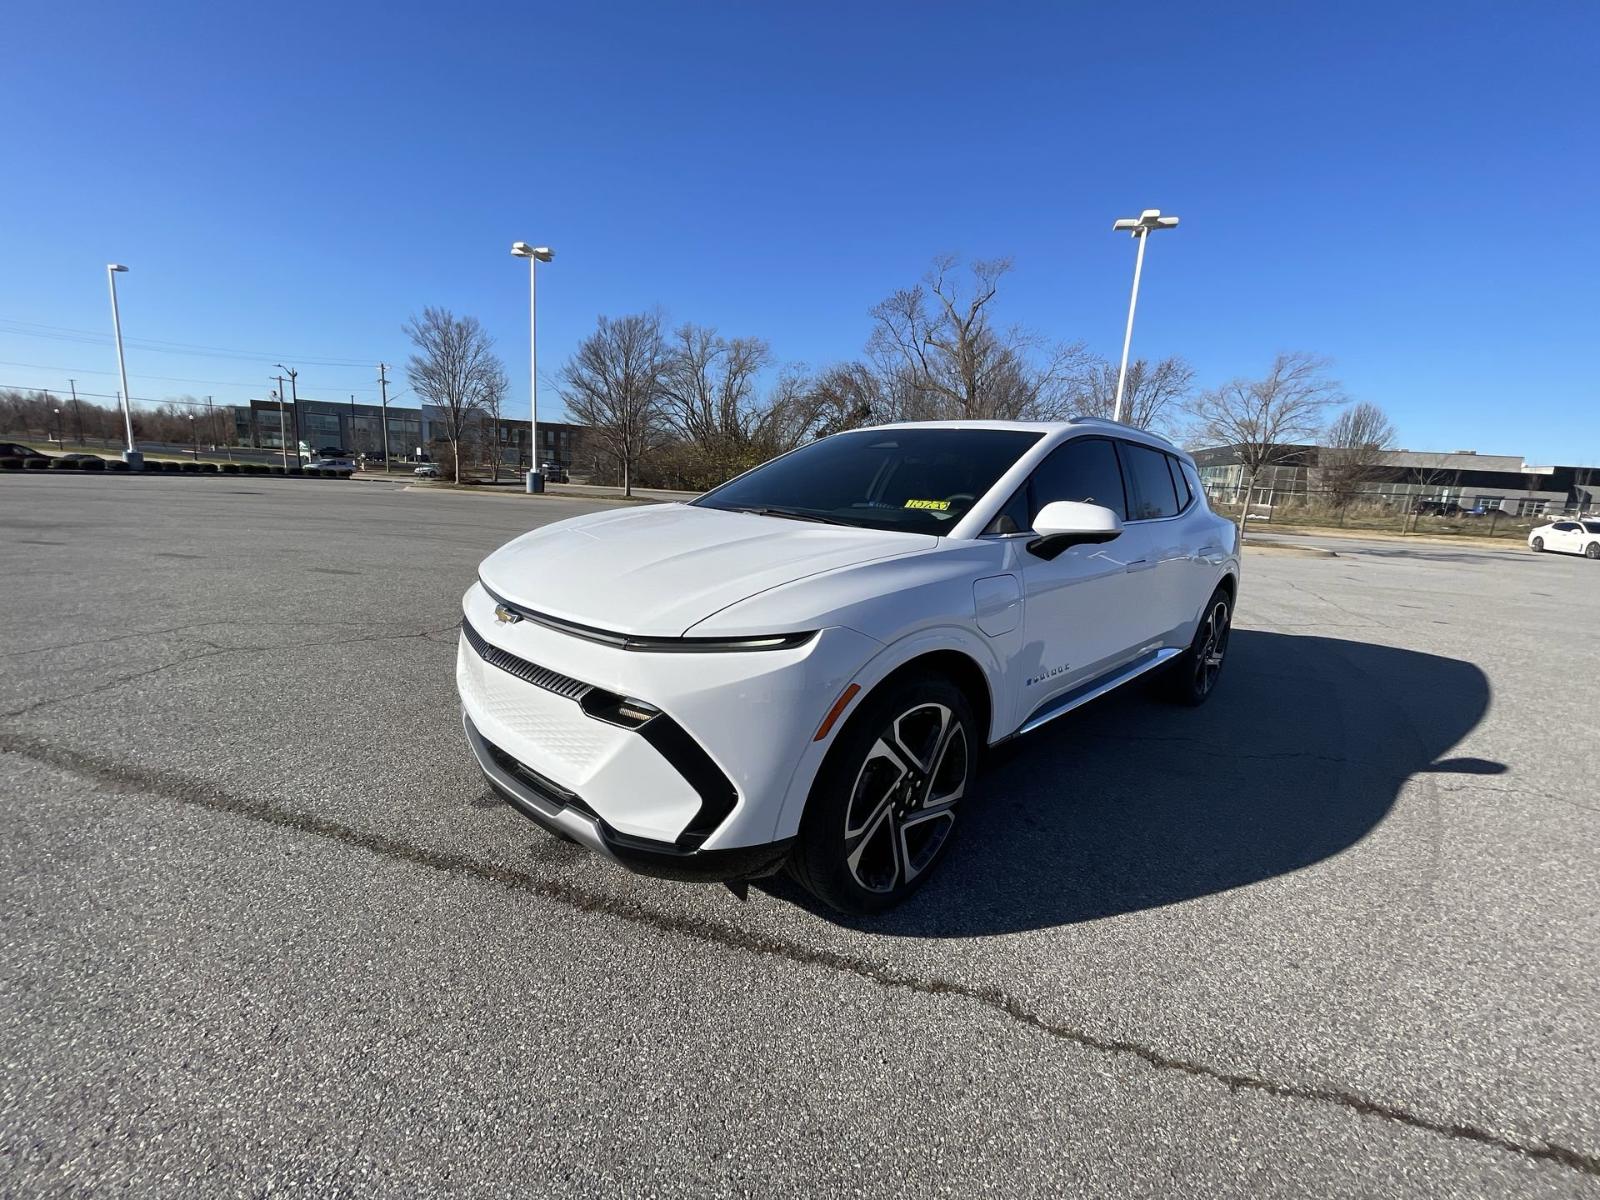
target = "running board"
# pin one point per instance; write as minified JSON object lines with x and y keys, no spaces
{"x":1095,"y":688}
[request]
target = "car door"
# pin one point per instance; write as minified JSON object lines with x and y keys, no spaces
{"x":1564,"y":536}
{"x":1156,"y":506}
{"x":1083,"y":611}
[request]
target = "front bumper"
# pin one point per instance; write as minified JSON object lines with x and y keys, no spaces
{"x":565,"y":814}
{"x":720,"y":768}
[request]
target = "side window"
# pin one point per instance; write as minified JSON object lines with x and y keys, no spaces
{"x":1151,"y":493}
{"x":1179,"y":482}
{"x":1014,"y":517}
{"x":1083,"y":469}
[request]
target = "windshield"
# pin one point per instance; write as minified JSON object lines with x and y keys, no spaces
{"x":916,"y":480}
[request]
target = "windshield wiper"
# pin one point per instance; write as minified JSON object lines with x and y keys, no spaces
{"x":792,"y":514}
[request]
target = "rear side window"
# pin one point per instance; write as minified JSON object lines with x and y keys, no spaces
{"x":1179,"y":482}
{"x":1084,"y":469}
{"x":1151,"y":493}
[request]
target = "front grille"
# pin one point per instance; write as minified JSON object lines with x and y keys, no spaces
{"x":540,"y":677}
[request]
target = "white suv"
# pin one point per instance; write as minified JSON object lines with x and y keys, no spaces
{"x":801,"y":667}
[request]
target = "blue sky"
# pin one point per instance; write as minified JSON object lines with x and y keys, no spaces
{"x":1397,"y":187}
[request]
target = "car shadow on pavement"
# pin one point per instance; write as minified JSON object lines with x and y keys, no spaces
{"x":1132,"y":803}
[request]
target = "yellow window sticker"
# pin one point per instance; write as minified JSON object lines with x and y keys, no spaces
{"x":935,"y":505}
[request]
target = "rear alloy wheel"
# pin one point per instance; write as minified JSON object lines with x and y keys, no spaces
{"x":1592,"y":550}
{"x":884,"y":805}
{"x":1538,"y":545}
{"x":1194,"y":673}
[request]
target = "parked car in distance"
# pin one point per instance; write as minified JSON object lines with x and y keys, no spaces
{"x":334,"y":452}
{"x":18,"y":450}
{"x":333,"y":464}
{"x":802,"y":668}
{"x":553,"y":472}
{"x":1438,"y":508}
{"x":426,"y":471}
{"x":1567,"y":536}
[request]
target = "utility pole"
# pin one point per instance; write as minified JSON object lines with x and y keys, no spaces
{"x":294,"y":405}
{"x":383,"y":388}
{"x":283,"y":427}
{"x":77,"y":409}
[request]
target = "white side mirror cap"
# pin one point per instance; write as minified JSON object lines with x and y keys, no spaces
{"x":1065,"y":523}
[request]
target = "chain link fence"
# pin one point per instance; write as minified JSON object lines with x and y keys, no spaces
{"x":1406,"y":511}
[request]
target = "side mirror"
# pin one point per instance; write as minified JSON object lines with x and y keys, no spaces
{"x":1065,"y":523}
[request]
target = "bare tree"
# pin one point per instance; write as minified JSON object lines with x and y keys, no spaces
{"x":496,"y":384}
{"x":709,"y":384}
{"x":1265,"y":420}
{"x":613,"y":384}
{"x":1354,"y":446}
{"x":1151,"y":396}
{"x":453,"y":369}
{"x":940,"y":355}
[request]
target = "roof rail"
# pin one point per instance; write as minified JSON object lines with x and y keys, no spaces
{"x":1149,"y":433}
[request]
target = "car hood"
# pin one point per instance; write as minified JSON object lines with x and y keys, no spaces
{"x":655,"y":571}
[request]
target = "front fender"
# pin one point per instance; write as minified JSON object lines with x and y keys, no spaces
{"x":873,"y":672}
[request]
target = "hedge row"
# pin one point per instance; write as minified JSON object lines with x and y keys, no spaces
{"x":156,"y":467}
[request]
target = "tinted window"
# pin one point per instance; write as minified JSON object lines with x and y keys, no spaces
{"x":1565,"y":526}
{"x":1150,"y":490}
{"x":1083,"y":469}
{"x":918,"y":480}
{"x":1592,"y":526}
{"x":1179,"y":482}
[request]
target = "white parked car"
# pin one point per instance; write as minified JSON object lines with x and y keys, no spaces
{"x":1569,"y":536}
{"x":802,"y":666}
{"x":333,"y":464}
{"x":426,"y":471}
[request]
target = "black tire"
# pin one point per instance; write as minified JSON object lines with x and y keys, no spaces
{"x":1592,"y":550}
{"x":879,"y":817}
{"x":1538,"y":545}
{"x":1193,"y":675}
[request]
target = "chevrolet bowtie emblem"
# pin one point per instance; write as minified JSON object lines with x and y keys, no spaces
{"x":505,"y":616}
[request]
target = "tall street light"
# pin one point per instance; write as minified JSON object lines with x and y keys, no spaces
{"x":1140,"y":227}
{"x":131,"y":456}
{"x":535,"y":255}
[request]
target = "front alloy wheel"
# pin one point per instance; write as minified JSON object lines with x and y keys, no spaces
{"x":884,"y":805}
{"x":903,"y":804}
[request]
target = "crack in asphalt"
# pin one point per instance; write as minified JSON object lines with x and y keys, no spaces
{"x":218,"y":649}
{"x":185,"y":628}
{"x":185,"y":790}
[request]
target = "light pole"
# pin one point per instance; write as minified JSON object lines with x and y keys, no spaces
{"x":132,"y":457}
{"x":1141,"y":227}
{"x":59,"y":439}
{"x":535,"y":255}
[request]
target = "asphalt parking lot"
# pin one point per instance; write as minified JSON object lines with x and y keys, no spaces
{"x":263,"y":929}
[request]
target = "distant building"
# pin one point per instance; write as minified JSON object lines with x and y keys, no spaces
{"x":359,"y":428}
{"x":1405,"y":477}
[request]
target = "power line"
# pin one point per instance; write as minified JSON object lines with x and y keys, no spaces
{"x":112,"y":396}
{"x":166,"y":378}
{"x":65,"y":333}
